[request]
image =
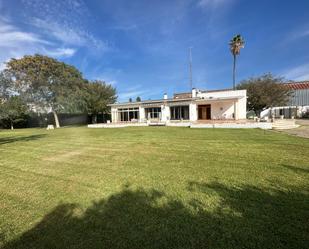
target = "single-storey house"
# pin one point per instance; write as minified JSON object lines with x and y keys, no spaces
{"x":193,"y":106}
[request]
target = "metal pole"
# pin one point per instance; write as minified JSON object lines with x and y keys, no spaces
{"x":190,"y":68}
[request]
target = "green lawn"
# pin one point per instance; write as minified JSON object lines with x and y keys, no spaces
{"x":153,"y":187}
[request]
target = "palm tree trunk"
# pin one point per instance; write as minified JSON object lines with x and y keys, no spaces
{"x":234,"y":73}
{"x":234,"y":70}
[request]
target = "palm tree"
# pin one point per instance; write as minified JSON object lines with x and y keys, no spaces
{"x":235,"y":45}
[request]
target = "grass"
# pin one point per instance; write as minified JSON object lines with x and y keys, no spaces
{"x":153,"y":187}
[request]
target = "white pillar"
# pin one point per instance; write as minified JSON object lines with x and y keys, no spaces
{"x":193,"y":112}
{"x":142,"y":117}
{"x":165,"y":113}
{"x":235,"y":109}
{"x":114,"y":114}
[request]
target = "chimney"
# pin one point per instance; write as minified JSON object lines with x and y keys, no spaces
{"x":165,"y":96}
{"x":193,"y":93}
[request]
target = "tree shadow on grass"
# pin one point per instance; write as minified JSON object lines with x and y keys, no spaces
{"x":261,"y":217}
{"x":149,"y":219}
{"x":7,"y":140}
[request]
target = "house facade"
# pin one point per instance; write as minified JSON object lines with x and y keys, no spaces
{"x":193,"y":107}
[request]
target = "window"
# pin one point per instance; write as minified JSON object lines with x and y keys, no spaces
{"x":128,"y":114}
{"x":179,"y":112}
{"x":153,"y":112}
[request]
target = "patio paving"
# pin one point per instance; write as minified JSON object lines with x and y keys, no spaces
{"x":302,"y":131}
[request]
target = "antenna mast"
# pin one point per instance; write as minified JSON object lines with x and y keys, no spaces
{"x":190,"y":68}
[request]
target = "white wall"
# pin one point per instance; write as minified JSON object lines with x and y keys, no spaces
{"x":193,"y":112}
{"x":221,"y":110}
{"x":142,"y":117}
{"x":114,"y":114}
{"x":165,"y":113}
{"x":242,"y":106}
{"x":225,"y":109}
{"x":223,"y":94}
{"x":227,"y":106}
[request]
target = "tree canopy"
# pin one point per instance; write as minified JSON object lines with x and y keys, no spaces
{"x":48,"y":85}
{"x":265,"y":91}
{"x":12,"y":110}
{"x":46,"y":82}
{"x":6,"y":86}
{"x":236,"y":43}
{"x":98,"y":95}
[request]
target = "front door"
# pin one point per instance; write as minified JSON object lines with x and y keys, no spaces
{"x":204,"y":112}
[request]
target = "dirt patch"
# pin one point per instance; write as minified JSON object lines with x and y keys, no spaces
{"x":64,"y":156}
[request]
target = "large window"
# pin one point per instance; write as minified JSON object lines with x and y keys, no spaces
{"x":179,"y":112}
{"x":153,"y":112}
{"x":128,"y":114}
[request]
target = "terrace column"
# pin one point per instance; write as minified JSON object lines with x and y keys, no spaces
{"x":141,"y":114}
{"x":193,"y":112}
{"x":165,"y":113}
{"x":114,"y":115}
{"x":236,"y":110}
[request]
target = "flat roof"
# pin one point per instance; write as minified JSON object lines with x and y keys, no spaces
{"x":149,"y":102}
{"x":152,"y":101}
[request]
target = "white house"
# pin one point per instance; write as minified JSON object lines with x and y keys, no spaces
{"x":195,"y":106}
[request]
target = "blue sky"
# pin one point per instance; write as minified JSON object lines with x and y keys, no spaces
{"x":141,"y":47}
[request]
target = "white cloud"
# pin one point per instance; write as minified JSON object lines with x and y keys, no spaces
{"x":213,"y":3}
{"x":64,"y":21}
{"x":124,"y":96}
{"x":11,"y":36}
{"x":15,"y":43}
{"x":111,"y":82}
{"x":68,"y":35}
{"x":124,"y":27}
{"x":61,"y":52}
{"x":298,"y":34}
{"x":298,"y":73}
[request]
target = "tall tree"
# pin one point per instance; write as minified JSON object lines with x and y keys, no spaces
{"x":130,"y":99}
{"x":47,"y":84}
{"x":97,"y":96}
{"x":236,"y":44}
{"x":265,"y":91}
{"x":13,"y":110}
{"x":6,"y":86}
{"x":138,"y":99}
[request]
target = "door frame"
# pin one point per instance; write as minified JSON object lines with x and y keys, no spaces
{"x":204,"y":108}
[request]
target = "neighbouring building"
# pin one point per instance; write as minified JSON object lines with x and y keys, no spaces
{"x":195,"y":106}
{"x":298,"y":104}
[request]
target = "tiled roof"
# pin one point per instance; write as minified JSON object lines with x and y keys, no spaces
{"x":298,"y":85}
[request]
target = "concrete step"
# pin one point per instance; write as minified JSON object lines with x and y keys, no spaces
{"x":284,"y":124}
{"x":157,"y":124}
{"x":281,"y":122}
{"x":284,"y":127}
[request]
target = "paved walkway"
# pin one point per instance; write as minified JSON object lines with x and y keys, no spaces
{"x":302,"y":131}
